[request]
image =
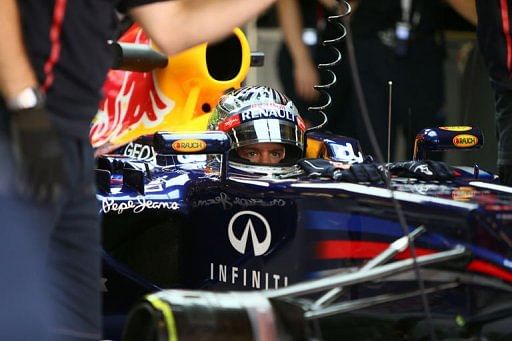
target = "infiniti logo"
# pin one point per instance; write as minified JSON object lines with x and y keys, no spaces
{"x":240,"y":244}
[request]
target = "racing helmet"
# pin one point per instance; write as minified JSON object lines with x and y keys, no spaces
{"x":259,"y":114}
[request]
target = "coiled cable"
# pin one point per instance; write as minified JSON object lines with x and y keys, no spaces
{"x":327,"y":67}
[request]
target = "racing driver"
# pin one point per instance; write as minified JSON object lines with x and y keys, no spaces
{"x":268,"y":137}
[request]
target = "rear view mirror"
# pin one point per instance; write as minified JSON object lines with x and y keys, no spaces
{"x":447,"y":138}
{"x":169,"y":144}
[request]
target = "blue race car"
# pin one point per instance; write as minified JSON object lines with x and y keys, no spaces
{"x":202,"y":242}
{"x":184,"y":217}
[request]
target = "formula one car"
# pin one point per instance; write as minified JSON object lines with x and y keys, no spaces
{"x":177,"y":223}
{"x":302,"y":257}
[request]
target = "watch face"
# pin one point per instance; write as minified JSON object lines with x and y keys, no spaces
{"x":27,"y":99}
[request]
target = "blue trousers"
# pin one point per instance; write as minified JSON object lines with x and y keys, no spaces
{"x":50,"y":254}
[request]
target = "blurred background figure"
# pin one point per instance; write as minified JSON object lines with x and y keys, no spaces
{"x":394,"y":40}
{"x":53,"y":60}
{"x":495,"y":42}
{"x":304,"y":27}
{"x":401,"y":41}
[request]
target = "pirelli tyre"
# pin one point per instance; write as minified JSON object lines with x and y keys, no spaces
{"x":200,"y":315}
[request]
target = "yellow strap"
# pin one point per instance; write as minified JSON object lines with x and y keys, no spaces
{"x":168,"y":315}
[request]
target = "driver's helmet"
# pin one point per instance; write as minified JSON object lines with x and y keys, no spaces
{"x":257,"y":114}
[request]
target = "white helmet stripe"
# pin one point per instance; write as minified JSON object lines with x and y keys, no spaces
{"x":275,"y":130}
{"x":262,"y":130}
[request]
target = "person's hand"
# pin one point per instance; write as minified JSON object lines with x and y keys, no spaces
{"x":361,"y":172}
{"x":424,"y":170}
{"x":356,"y":172}
{"x":306,"y":77}
{"x":38,"y":155}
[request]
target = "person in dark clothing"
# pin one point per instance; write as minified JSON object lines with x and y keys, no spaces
{"x":53,"y":61}
{"x":495,"y":43}
{"x":400,"y":41}
{"x":414,"y":63}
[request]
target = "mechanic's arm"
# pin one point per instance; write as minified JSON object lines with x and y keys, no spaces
{"x":304,"y":69}
{"x":16,"y":72}
{"x":34,"y":141}
{"x":179,"y":24}
{"x":466,"y":9}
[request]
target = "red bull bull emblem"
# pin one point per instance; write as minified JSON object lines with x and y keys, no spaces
{"x":132,"y":100}
{"x":465,"y":141}
{"x":189,"y":145}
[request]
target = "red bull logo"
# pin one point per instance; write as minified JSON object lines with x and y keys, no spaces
{"x":189,"y":145}
{"x":465,"y":141}
{"x":132,"y":99}
{"x":177,"y":98}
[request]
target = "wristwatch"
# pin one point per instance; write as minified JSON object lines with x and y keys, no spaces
{"x":28,"y":98}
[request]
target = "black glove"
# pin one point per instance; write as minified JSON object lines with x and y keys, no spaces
{"x":38,"y":155}
{"x":357,"y":172}
{"x":424,"y":170}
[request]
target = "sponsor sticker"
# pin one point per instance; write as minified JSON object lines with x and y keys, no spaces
{"x":228,"y":202}
{"x":245,"y":277}
{"x":340,"y":165}
{"x":139,"y":151}
{"x":136,"y":206}
{"x":229,"y":123}
{"x":465,"y":140}
{"x":456,"y":128}
{"x":463,"y":193}
{"x":249,"y":219}
{"x":267,"y":111}
{"x":189,"y":145}
{"x":301,"y":124}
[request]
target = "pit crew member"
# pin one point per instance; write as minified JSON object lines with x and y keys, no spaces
{"x":50,"y":258}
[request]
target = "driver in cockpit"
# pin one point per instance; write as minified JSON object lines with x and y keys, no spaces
{"x":268,"y":137}
{"x":265,"y":153}
{"x":264,"y":125}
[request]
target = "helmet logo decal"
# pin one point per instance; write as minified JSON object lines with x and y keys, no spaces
{"x":229,"y":123}
{"x":240,"y":243}
{"x":300,"y":123}
{"x":252,"y":114}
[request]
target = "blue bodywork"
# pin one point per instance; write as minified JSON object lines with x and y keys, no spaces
{"x":183,"y":221}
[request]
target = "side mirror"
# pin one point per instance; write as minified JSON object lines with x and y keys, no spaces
{"x":169,"y":144}
{"x":446,"y":138}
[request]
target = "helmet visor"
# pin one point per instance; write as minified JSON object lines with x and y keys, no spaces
{"x":266,"y":130}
